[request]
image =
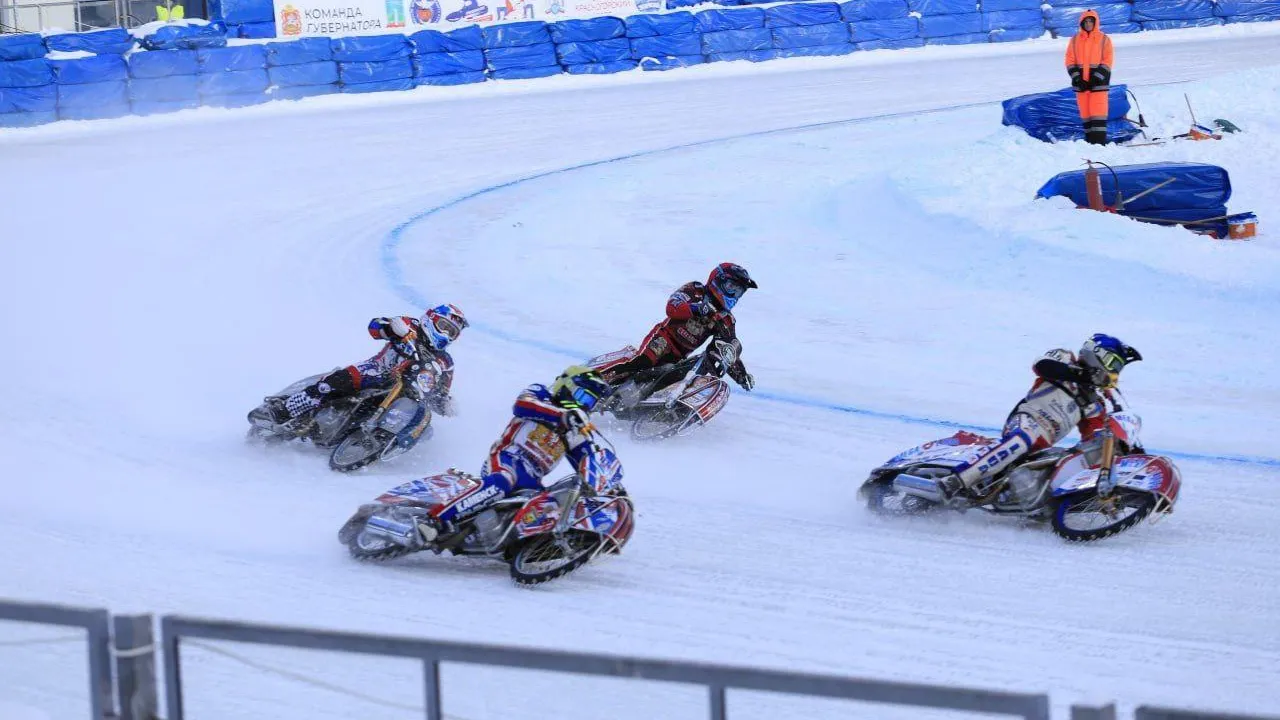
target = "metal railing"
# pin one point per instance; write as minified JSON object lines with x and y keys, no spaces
{"x":124,"y":644}
{"x":17,"y":16}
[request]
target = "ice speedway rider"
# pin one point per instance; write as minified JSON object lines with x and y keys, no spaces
{"x":413,"y":346}
{"x":548,"y":424}
{"x":695,"y":312}
{"x":1070,"y":390}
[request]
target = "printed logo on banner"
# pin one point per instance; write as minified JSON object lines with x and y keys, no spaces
{"x":290,"y":21}
{"x":649,"y":6}
{"x":555,"y":7}
{"x":470,"y":12}
{"x":424,"y":12}
{"x":395,"y":14}
{"x":510,"y":8}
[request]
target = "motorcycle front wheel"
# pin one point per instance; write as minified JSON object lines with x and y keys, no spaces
{"x":357,"y":450}
{"x":1088,"y":516}
{"x":660,"y":424}
{"x":542,"y":558}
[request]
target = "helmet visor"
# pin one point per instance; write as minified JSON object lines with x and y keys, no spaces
{"x":1113,"y":362}
{"x":585,"y":398}
{"x":732,"y":288}
{"x":446,"y":327}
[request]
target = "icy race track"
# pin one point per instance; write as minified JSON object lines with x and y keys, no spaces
{"x":162,"y":275}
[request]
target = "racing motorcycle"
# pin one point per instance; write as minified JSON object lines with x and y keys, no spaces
{"x":1099,"y":488}
{"x":677,"y":408}
{"x":374,"y":424}
{"x":530,"y":530}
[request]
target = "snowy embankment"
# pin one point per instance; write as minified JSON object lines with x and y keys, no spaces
{"x":905,"y":272}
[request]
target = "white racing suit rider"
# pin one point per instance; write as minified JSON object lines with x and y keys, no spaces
{"x":1069,"y":392}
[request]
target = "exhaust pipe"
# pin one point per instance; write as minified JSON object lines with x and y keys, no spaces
{"x":920,"y":487}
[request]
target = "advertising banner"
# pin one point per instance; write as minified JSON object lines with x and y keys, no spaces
{"x":337,"y":18}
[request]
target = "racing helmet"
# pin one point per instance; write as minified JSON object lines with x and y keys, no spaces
{"x":443,"y":324}
{"x":1108,"y":354}
{"x":580,"y":387}
{"x":727,"y":283}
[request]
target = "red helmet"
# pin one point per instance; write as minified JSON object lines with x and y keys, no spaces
{"x":726,"y":283}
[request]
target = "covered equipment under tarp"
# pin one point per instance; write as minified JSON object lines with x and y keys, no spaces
{"x":1166,"y":193}
{"x":1053,"y":116}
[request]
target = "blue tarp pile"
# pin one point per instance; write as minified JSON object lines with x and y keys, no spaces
{"x":808,"y":29}
{"x":1054,"y":116}
{"x":301,"y":68}
{"x":28,"y":95}
{"x":374,"y":63}
{"x":736,"y":34}
{"x":1238,"y":11}
{"x":595,"y":46}
{"x":1062,"y":18}
{"x":163,"y":81}
{"x":191,"y":36}
{"x":1167,"y":193}
{"x":233,"y":76}
{"x":91,"y":87}
{"x":950,"y":22}
{"x":663,"y":42}
{"x":881,"y":24}
{"x":448,"y":58}
{"x":519,"y":50}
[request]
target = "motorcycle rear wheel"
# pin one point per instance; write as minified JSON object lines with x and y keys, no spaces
{"x":882,"y":499}
{"x":1070,"y":510}
{"x":543,"y":550}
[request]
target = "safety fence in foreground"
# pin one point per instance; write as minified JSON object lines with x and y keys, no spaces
{"x":123,"y":678}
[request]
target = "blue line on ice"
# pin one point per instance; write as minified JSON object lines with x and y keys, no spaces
{"x":395,"y":276}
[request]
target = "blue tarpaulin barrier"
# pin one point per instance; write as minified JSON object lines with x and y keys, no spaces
{"x":298,"y":52}
{"x":163,"y":63}
{"x":399,"y":84}
{"x":186,"y":37}
{"x":28,"y":46}
{"x":256,"y":31}
{"x":230,"y":59}
{"x":1175,"y":193}
{"x":943,"y":7}
{"x":737,"y":40}
{"x":323,"y":72}
{"x":164,"y":89}
{"x":159,"y":107}
{"x":751,"y":55}
{"x":92,"y":69}
{"x":900,"y":29}
{"x":241,"y":11}
{"x":526,"y":73}
{"x":521,"y":57}
{"x":671,"y":62}
{"x":802,"y":14}
{"x":97,"y":111}
{"x":601,"y":68}
{"x":1223,"y":8}
{"x":27,"y":119}
{"x":298,"y":92}
{"x":856,"y":10}
{"x":233,"y":83}
{"x":1251,"y":18}
{"x":901,"y":44}
{"x":817,"y":50}
{"x":449,"y":63}
{"x":1015,"y":34}
{"x":517,"y":34}
{"x":235,"y":101}
{"x":1175,"y":24}
{"x":1068,"y":16}
{"x":786,"y":38}
{"x":453,"y":79}
{"x":1013,"y":20}
{"x":676,"y":23}
{"x":589,"y":30}
{"x":963,"y":39}
{"x":115,"y":41}
{"x":666,"y":46}
{"x":1147,"y":10}
{"x":1055,"y":116}
{"x":356,"y":73}
{"x":25,"y":73}
{"x":732,"y":19}
{"x":43,"y":98}
{"x":934,"y":26}
{"x":432,"y":41}
{"x":1001,"y":5}
{"x":594,"y":52}
{"x":114,"y":92}
{"x":371,"y":48}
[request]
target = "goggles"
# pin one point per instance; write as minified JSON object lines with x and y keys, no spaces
{"x":446,"y":327}
{"x":585,"y":399}
{"x":1112,"y":362}
{"x":732,"y":288}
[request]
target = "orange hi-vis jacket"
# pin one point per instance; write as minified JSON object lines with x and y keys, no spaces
{"x":1087,"y":54}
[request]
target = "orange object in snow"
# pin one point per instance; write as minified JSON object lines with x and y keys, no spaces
{"x":1242,"y":227}
{"x":1093,"y":188}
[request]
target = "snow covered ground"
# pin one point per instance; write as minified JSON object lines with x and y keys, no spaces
{"x":164,"y":273}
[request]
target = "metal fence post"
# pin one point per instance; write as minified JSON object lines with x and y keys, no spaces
{"x":101,"y":699}
{"x":1086,"y":712}
{"x":431,"y":671}
{"x":719,"y":709}
{"x":172,"y":669}
{"x":135,"y":661}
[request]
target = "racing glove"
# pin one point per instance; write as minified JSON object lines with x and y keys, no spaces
{"x":574,"y":419}
{"x":443,"y":405}
{"x":1077,"y":80}
{"x":742,"y":377}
